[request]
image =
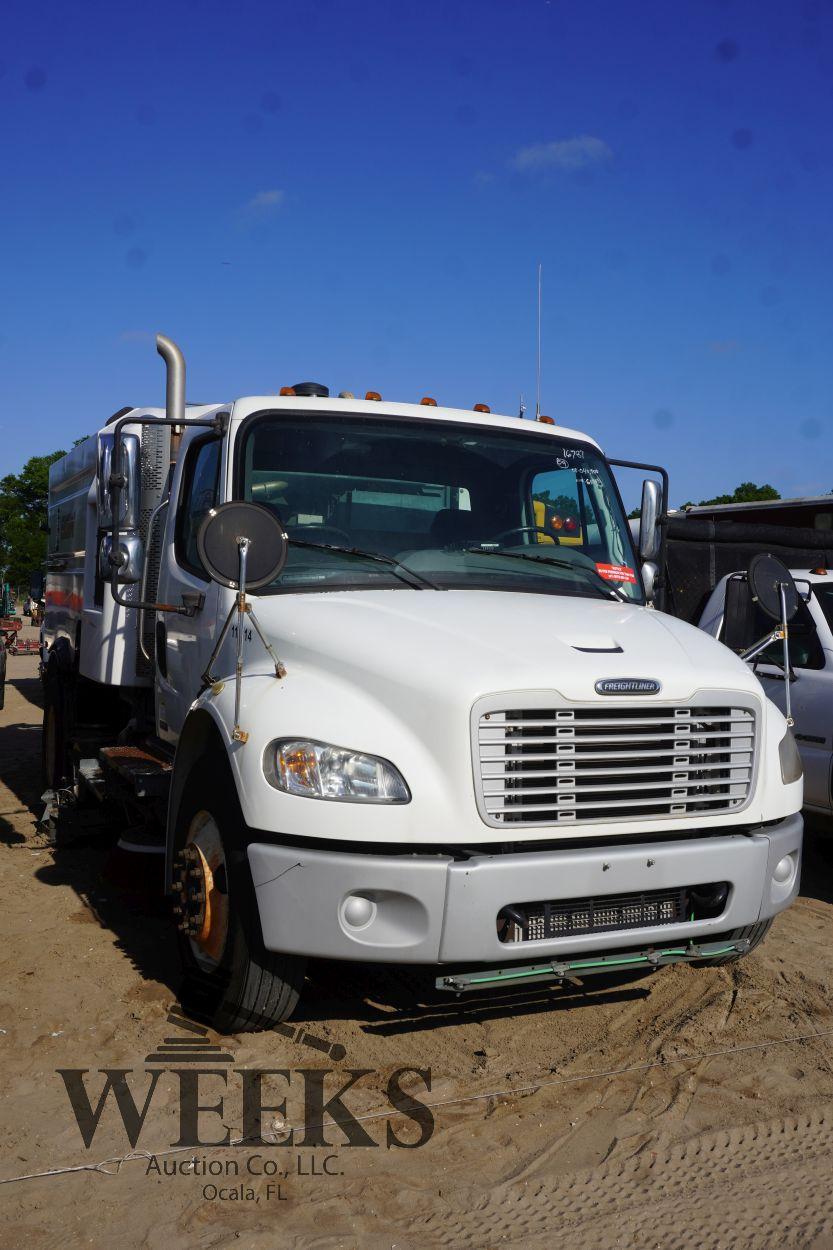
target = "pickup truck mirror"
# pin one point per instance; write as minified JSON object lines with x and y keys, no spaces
{"x":649,"y":534}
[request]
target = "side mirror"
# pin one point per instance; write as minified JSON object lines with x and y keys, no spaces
{"x":242,"y":546}
{"x":650,"y":572}
{"x":130,"y":469}
{"x":238,"y":524}
{"x":129,"y":564}
{"x":649,"y":535}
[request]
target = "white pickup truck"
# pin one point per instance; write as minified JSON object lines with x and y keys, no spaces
{"x":465,"y":737}
{"x":811,"y":680}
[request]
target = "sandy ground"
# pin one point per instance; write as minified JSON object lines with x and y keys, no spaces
{"x":692,"y":1108}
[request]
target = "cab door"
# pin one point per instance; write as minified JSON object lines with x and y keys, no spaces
{"x":811,"y":696}
{"x":184,"y":643}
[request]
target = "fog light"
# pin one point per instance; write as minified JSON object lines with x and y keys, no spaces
{"x":358,"y":911}
{"x":784,"y":869}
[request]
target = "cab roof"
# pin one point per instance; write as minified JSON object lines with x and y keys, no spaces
{"x":382,"y":408}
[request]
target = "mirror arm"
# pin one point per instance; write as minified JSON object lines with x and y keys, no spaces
{"x":118,"y":483}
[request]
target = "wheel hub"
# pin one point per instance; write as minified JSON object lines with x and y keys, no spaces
{"x":200,"y":887}
{"x":191,"y":888}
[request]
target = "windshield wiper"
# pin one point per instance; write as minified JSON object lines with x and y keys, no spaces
{"x":419,"y":582}
{"x":560,"y":564}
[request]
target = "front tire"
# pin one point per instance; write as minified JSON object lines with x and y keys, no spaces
{"x":230,"y":980}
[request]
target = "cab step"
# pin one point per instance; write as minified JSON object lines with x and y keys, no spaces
{"x":145,"y":771}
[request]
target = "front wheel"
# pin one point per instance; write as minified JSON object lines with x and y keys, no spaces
{"x":230,"y":980}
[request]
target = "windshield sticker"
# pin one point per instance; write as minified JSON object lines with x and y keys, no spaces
{"x":616,"y":573}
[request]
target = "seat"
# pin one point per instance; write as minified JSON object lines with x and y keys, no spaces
{"x":453,"y":527}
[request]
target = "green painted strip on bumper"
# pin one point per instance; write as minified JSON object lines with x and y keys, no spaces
{"x":577,"y":965}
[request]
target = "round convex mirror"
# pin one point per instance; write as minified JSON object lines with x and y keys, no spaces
{"x":218,"y":544}
{"x":766,"y":575}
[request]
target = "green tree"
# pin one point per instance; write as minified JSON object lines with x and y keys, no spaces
{"x":24,"y":518}
{"x":565,"y":505}
{"x":747,"y":492}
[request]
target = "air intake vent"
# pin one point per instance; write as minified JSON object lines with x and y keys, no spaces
{"x":153,"y":560}
{"x":535,"y":922}
{"x":155,"y":461}
{"x":561,"y":766}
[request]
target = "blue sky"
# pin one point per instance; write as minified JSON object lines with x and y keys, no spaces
{"x":360,"y":192}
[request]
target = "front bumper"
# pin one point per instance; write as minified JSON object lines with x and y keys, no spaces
{"x":434,"y":909}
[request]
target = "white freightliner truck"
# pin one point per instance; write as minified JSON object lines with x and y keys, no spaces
{"x":459,"y":734}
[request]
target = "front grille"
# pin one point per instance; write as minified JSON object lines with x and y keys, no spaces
{"x":533,"y":922}
{"x":547,"y":766}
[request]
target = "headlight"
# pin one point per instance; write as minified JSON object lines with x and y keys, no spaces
{"x":317,"y":770}
{"x":791,"y":766}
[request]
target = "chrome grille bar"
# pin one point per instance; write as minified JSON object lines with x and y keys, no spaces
{"x":562,"y":765}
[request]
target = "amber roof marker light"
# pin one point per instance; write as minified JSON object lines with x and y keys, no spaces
{"x":481,"y":408}
{"x":428,"y":402}
{"x":373,"y":395}
{"x":286,"y":390}
{"x":545,"y":420}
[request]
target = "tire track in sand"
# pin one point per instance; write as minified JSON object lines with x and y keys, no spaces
{"x":751,"y":1188}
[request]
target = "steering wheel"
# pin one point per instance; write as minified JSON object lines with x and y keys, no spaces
{"x":320,"y":533}
{"x":525,"y":529}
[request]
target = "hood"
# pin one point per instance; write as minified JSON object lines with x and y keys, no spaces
{"x":467,"y":643}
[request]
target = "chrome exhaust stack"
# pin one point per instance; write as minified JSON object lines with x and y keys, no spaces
{"x":174,"y":418}
{"x":175,"y":380}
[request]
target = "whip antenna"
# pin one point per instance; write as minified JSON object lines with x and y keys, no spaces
{"x":538,"y":365}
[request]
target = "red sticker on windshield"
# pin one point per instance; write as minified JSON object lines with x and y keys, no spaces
{"x":616,"y":572}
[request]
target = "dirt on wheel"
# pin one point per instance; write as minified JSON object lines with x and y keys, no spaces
{"x":691,"y":1107}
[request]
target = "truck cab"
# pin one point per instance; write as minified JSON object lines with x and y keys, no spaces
{"x":453,"y":729}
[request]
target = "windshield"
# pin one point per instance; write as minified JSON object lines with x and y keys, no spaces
{"x":460,"y":506}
